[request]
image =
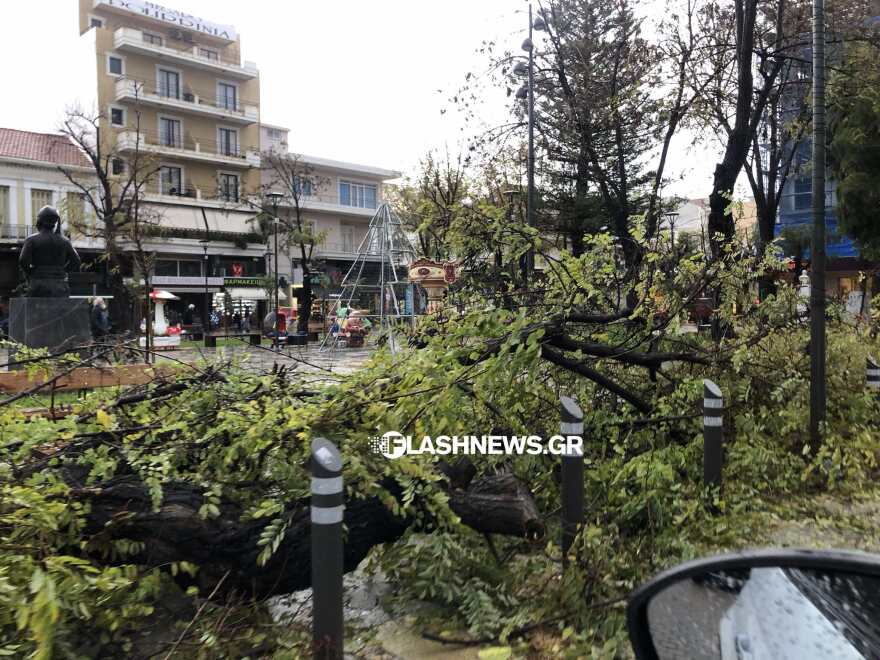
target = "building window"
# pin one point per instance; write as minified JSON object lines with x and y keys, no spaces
{"x":95,"y":22}
{"x":189,"y":268}
{"x":228,"y":141}
{"x":4,"y":205}
{"x":75,"y":212}
{"x":229,"y":187}
{"x":209,"y":54}
{"x":165,"y":268}
{"x":347,"y":238}
{"x":361,"y":195}
{"x":303,"y":186}
{"x":115,"y":66}
{"x":117,"y":116}
{"x":170,"y":181}
{"x":275,"y":134}
{"x":117,"y":166}
{"x":170,"y":132}
{"x":39,"y":199}
{"x":154,"y":39}
{"x":227,"y":96}
{"x":169,"y":84}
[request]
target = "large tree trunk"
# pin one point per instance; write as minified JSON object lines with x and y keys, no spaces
{"x":305,"y":302}
{"x":224,"y":545}
{"x":766,"y":225}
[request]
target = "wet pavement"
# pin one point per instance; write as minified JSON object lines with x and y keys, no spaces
{"x":263,"y":359}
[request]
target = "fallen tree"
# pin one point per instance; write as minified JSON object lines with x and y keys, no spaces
{"x":225,"y":545}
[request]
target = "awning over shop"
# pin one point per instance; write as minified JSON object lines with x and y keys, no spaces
{"x":183,"y":217}
{"x":252,"y":294}
{"x":190,"y":289}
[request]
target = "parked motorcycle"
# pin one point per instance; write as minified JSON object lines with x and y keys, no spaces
{"x":779,"y":604}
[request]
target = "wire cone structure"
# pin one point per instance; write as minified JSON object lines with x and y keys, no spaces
{"x":380,"y":267}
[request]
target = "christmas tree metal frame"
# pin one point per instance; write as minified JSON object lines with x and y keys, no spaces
{"x":386,"y":240}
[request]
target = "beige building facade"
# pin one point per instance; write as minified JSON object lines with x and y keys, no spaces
{"x":30,"y":179}
{"x":172,"y":87}
{"x":338,"y":200}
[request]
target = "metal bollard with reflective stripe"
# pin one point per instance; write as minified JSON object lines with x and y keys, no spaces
{"x":571,"y":423}
{"x":327,"y":550}
{"x":873,"y":373}
{"x":713,"y":433}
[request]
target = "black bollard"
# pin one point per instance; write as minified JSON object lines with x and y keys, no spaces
{"x":713,"y":433}
{"x":327,"y":558}
{"x":873,"y":373}
{"x":571,"y":423}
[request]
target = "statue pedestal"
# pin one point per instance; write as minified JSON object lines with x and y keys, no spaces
{"x":49,"y":322}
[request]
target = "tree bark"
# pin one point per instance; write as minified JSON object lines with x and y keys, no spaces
{"x":121,"y":509}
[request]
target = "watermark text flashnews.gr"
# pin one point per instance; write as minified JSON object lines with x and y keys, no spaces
{"x":394,"y":445}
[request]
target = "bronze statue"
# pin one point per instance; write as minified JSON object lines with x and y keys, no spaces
{"x":47,"y":257}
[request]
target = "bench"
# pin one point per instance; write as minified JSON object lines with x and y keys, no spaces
{"x":254,"y":337}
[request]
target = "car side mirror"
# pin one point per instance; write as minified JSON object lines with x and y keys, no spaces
{"x":778,"y":604}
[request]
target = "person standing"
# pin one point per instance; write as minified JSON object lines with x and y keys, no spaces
{"x":100,"y":319}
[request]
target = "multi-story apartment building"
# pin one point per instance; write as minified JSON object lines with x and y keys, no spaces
{"x":172,"y":87}
{"x":845,"y":266}
{"x":338,"y":199}
{"x":29,"y":180}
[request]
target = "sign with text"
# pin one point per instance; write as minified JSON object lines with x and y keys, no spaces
{"x":172,"y":17}
{"x":243,"y":281}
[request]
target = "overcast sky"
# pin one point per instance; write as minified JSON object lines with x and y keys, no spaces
{"x":354,"y":80}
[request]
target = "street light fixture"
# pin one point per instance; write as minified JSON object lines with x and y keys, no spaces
{"x":671,"y":217}
{"x":529,"y":92}
{"x":275,"y":198}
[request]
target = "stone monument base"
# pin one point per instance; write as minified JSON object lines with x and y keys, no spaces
{"x":52,"y":323}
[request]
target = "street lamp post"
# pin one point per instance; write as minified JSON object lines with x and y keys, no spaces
{"x":671,"y":217}
{"x":275,"y":197}
{"x":817,"y":249}
{"x":206,"y":317}
{"x":529,"y":93}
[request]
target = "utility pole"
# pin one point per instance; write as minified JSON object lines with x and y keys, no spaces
{"x":817,"y":248}
{"x":527,"y":92}
{"x":530,"y":183}
{"x":275,"y":198}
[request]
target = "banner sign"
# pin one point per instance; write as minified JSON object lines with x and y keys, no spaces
{"x":243,"y":281}
{"x":172,"y":17}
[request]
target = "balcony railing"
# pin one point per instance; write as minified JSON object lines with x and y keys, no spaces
{"x":341,"y":248}
{"x":317,"y":200}
{"x":130,"y":39}
{"x":188,"y":190}
{"x":186,"y":146}
{"x":16,"y":231}
{"x":186,"y":99}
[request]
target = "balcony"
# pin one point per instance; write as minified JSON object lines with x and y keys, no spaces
{"x":188,"y":148}
{"x":332,"y":203}
{"x":335,"y":250}
{"x":130,"y":40}
{"x":198,"y":102}
{"x":16,"y":232}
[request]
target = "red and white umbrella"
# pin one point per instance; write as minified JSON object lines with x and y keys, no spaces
{"x":159,"y":294}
